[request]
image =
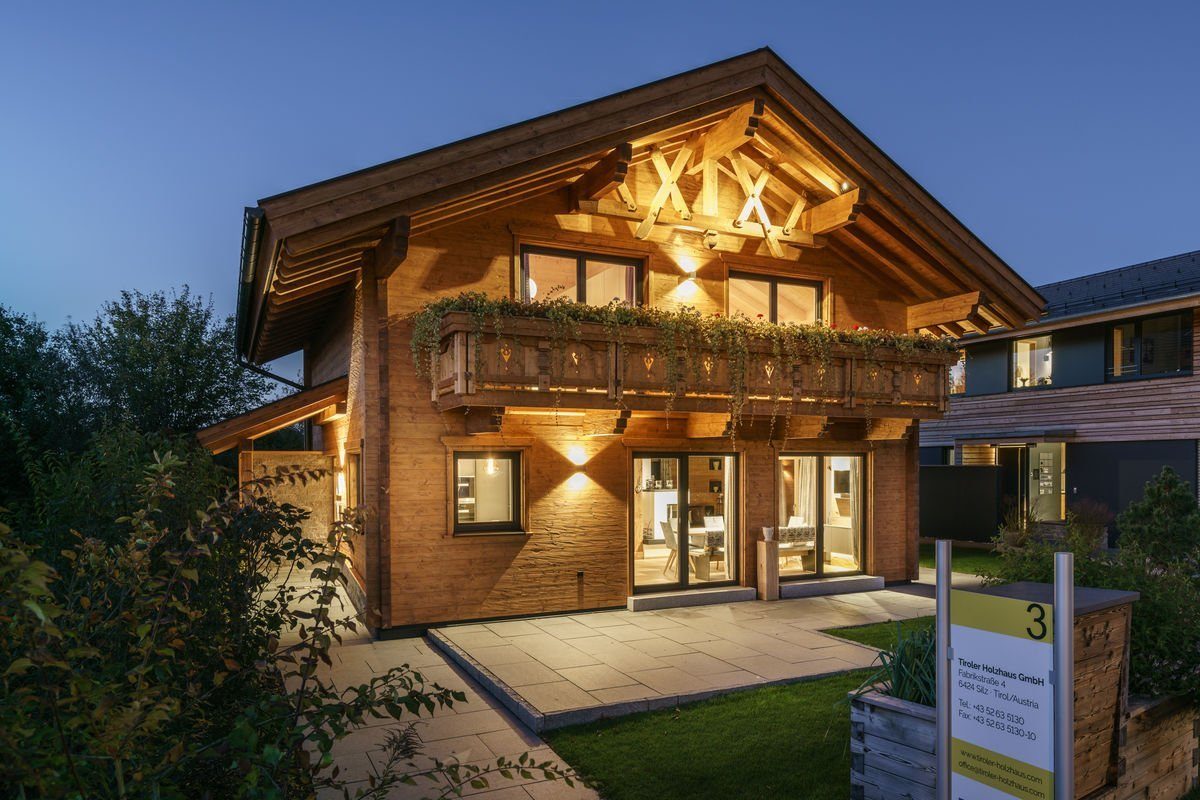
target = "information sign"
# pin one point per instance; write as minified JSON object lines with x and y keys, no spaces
{"x":1001,"y":698}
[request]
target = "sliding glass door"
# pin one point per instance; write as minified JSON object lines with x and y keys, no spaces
{"x":684,"y":520}
{"x":820,"y":515}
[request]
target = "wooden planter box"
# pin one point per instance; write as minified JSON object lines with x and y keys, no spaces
{"x":892,"y":748}
{"x":1123,"y":750}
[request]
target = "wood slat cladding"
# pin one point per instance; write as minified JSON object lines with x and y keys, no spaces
{"x":1137,"y":410}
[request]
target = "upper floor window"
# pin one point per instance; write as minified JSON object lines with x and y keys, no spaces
{"x":1032,"y":363}
{"x":1150,"y":347}
{"x":958,"y":374}
{"x":592,"y":278}
{"x":778,"y":300}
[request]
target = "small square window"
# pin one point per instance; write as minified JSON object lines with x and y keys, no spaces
{"x":487,"y":492}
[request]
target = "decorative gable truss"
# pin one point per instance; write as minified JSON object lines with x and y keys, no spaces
{"x":786,"y":198}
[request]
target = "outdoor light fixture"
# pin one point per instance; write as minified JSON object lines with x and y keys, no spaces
{"x":845,"y":186}
{"x":577,"y":455}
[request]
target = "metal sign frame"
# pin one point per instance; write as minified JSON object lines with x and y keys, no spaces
{"x":1062,"y":675}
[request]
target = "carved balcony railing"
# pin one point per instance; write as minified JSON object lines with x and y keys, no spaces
{"x":526,"y":365}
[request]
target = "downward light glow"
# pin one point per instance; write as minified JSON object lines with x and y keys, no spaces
{"x":491,"y":466}
{"x":577,"y":481}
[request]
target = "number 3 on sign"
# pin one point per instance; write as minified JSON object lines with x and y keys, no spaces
{"x":1037,"y":627}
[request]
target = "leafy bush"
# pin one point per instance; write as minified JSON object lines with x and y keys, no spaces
{"x":1165,"y":635}
{"x":1165,"y":523}
{"x":153,"y":664}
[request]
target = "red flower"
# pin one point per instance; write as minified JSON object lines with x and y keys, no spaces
{"x":760,"y":316}
{"x":832,"y":327}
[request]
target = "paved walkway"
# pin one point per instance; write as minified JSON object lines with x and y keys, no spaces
{"x":474,"y":732}
{"x":563,"y":670}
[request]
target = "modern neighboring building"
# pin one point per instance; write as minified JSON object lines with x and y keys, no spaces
{"x":525,"y":476}
{"x":1088,"y":403}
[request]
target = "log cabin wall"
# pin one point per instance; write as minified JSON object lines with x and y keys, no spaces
{"x":576,"y":553}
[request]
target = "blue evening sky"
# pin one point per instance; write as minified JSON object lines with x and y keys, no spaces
{"x":1067,"y":136}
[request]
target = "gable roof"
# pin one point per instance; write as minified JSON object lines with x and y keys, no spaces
{"x":1150,"y":281}
{"x":302,"y":248}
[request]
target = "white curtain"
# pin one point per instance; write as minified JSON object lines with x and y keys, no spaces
{"x":856,"y":509}
{"x":804,"y":499}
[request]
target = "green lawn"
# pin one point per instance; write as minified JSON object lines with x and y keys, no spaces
{"x":881,"y":635}
{"x":962,"y":559}
{"x":779,"y":741}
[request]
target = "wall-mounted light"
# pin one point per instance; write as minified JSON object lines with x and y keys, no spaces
{"x":577,"y":455}
{"x":845,"y":186}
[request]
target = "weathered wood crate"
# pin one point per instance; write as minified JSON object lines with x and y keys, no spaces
{"x":892,"y":745}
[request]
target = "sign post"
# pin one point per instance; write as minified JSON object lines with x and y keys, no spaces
{"x":1005,"y":716}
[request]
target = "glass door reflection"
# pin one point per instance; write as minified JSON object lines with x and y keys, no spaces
{"x":820,"y":517}
{"x":711,"y":529}
{"x":684,"y":520}
{"x":656,"y":522}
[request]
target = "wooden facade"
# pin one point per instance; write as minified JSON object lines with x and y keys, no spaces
{"x":739,"y":166}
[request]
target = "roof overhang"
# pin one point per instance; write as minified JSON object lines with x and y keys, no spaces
{"x":313,"y":242}
{"x":1114,"y":314}
{"x":325,"y":401}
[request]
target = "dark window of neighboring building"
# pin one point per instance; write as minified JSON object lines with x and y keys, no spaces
{"x":958,"y":374}
{"x":592,"y":278}
{"x":487,"y":492}
{"x":1150,"y":347}
{"x":778,"y":300}
{"x":1032,"y":363}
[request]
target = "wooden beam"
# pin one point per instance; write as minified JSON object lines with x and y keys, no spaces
{"x":698,"y":222}
{"x":273,"y":416}
{"x":605,"y":175}
{"x":833,"y":214}
{"x":945,"y":309}
{"x":702,"y":425}
{"x":664,"y":174}
{"x":393,"y":248}
{"x":731,"y":133}
{"x":742,"y":167}
{"x":665,"y":190}
{"x":485,"y":419}
{"x":794,"y":213}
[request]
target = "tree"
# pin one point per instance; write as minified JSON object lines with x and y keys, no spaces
{"x":31,"y":399}
{"x":1165,"y":523}
{"x":158,"y":362}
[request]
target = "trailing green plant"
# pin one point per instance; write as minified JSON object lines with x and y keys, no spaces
{"x":908,"y":671}
{"x":683,"y":338}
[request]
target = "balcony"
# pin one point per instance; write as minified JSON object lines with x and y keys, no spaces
{"x":530,"y":363}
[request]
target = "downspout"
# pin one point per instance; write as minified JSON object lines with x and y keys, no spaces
{"x":253,"y":220}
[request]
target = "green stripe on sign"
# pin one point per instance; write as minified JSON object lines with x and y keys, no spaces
{"x":1004,"y":615}
{"x":1022,"y":781}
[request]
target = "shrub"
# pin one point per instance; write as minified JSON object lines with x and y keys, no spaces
{"x":1165,"y":523}
{"x":909,"y":670}
{"x":1165,"y":634}
{"x":152,"y":663}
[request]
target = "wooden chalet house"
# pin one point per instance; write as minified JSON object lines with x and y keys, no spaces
{"x":1088,"y":403}
{"x":511,"y":468}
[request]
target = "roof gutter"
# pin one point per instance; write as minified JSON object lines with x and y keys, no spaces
{"x":253,"y":219}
